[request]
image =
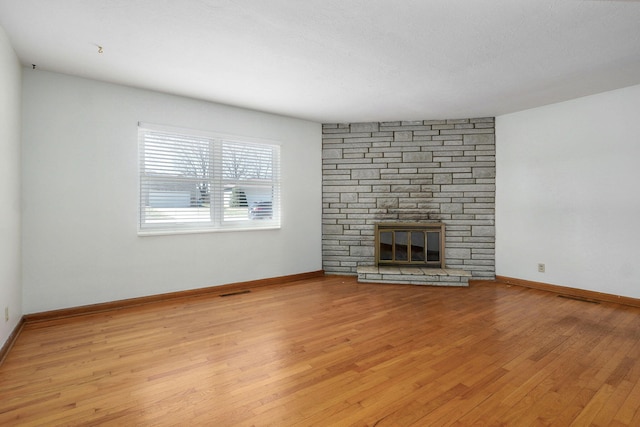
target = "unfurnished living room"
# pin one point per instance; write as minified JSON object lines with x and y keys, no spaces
{"x":319,"y":213}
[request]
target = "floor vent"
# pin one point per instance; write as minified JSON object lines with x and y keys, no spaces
{"x":246,"y":291}
{"x":579,"y":299}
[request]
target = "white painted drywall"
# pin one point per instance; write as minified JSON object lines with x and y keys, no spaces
{"x":80,"y":197}
{"x":10,"y":125}
{"x":568,"y":193}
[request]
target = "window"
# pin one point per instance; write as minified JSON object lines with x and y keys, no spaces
{"x":192,"y":181}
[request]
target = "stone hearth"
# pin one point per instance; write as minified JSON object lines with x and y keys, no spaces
{"x":413,"y":276}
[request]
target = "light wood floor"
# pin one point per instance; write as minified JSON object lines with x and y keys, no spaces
{"x":331,"y":352}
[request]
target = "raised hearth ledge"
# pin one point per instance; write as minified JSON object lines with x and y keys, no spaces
{"x":413,"y":275}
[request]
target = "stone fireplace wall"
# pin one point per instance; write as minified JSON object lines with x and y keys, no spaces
{"x":417,"y":171}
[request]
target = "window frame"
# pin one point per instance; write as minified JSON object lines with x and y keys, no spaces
{"x":217,"y":183}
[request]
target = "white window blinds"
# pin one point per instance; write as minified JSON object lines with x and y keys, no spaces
{"x":194,"y":182}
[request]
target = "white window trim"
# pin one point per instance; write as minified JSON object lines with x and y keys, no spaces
{"x":217,"y":223}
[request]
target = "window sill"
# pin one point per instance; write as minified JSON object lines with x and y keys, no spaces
{"x":147,"y":233}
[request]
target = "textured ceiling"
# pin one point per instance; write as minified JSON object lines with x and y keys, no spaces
{"x":340,"y":60}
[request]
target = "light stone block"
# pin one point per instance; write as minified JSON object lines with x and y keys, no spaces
{"x":417,"y":157}
{"x":365,"y":127}
{"x":451,"y":208}
{"x":332,"y":153}
{"x":483,"y":230}
{"x":332,"y":229}
{"x":387,"y":203}
{"x":484,"y":172}
{"x":457,"y":253}
{"x":403,"y":136}
{"x":348,"y":197}
{"x":365,"y":173}
{"x":479,"y":139}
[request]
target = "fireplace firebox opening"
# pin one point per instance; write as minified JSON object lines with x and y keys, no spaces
{"x":410,"y":244}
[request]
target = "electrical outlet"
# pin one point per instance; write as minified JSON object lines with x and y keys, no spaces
{"x":6,"y":314}
{"x":540,"y":268}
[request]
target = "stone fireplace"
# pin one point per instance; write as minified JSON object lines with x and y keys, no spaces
{"x":422,"y":171}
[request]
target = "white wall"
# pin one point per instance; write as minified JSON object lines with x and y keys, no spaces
{"x":568,"y":193}
{"x":10,"y":286}
{"x":80,"y":198}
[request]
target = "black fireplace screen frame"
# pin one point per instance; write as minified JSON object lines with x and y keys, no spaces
{"x":410,"y":244}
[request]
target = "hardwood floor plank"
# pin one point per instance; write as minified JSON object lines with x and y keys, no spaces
{"x":328,"y":351}
{"x":629,"y":407}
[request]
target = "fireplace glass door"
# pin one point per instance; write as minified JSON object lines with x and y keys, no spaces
{"x":410,"y":244}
